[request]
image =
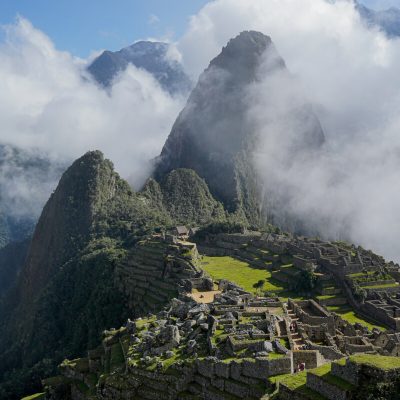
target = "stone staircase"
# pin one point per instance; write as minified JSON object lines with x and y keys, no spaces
{"x":297,"y":339}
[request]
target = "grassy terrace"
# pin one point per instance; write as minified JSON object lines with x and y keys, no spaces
{"x":381,"y":362}
{"x":296,"y":382}
{"x":239,"y":272}
{"x":384,"y":286}
{"x":349,"y":315}
{"x":324,"y":372}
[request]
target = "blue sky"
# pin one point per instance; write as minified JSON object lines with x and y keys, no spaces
{"x":80,"y":26}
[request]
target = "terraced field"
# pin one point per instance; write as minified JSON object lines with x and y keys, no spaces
{"x":349,"y":315}
{"x":242,"y":273}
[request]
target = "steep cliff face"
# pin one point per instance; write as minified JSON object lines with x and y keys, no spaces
{"x":66,"y":292}
{"x":215,"y":134}
{"x":65,"y":223}
{"x":12,"y":258}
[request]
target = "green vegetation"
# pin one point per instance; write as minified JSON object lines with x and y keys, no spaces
{"x":383,"y":286}
{"x":37,"y":396}
{"x":349,"y":315}
{"x":382,"y":362}
{"x":239,"y":272}
{"x":324,"y":372}
{"x":12,"y":258}
{"x":79,"y":364}
{"x":117,"y":357}
{"x":292,"y":381}
{"x":188,"y":200}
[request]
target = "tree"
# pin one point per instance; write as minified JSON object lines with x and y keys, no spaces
{"x":306,"y":281}
{"x":258,"y":285}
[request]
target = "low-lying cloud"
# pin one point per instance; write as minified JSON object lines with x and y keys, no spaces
{"x":49,"y":103}
{"x":349,"y":73}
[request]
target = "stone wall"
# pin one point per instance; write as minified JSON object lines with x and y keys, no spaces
{"x":311,"y":358}
{"x":328,"y":390}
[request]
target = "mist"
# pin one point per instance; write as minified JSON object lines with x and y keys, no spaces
{"x":51,"y":108}
{"x":344,"y":71}
{"x":349,"y":75}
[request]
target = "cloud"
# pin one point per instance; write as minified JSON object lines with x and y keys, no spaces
{"x":48,"y":103}
{"x":349,"y":74}
{"x":153,"y":19}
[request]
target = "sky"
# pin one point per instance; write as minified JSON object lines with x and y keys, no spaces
{"x":347,"y":71}
{"x":81,"y":27}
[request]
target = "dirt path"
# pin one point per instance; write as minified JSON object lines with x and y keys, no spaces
{"x":204,"y":297}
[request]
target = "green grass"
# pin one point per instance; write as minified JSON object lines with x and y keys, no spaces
{"x":292,"y":381}
{"x":36,"y":396}
{"x":382,"y":362}
{"x":324,"y":372}
{"x":361,"y":274}
{"x":79,"y":364}
{"x":349,"y":315}
{"x":239,"y":272}
{"x":385,"y":286}
{"x":274,"y":356}
{"x":327,"y":297}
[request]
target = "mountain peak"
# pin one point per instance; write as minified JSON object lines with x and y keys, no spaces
{"x":68,"y":216}
{"x":149,"y":56}
{"x":243,"y":54}
{"x":214,"y":134}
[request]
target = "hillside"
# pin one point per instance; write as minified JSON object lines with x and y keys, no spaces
{"x":12,"y":258}
{"x":227,"y":342}
{"x":65,"y":294}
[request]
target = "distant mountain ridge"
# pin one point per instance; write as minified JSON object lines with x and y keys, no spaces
{"x":387,"y":20}
{"x":153,"y":57}
{"x":26,"y":178}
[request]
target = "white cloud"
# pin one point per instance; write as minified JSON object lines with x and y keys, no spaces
{"x":153,"y":19}
{"x":350,"y":75}
{"x":45,"y":102}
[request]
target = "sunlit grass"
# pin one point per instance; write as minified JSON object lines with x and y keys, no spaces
{"x":239,"y":272}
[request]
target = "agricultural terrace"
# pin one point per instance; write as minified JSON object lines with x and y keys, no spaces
{"x":242,"y":273}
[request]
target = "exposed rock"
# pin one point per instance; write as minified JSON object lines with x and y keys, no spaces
{"x":169,"y":335}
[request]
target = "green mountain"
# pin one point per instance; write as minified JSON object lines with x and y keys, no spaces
{"x":215,"y":135}
{"x":71,"y":286}
{"x":186,"y":197}
{"x":66,"y":292}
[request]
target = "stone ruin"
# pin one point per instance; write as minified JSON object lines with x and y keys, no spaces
{"x":223,"y":350}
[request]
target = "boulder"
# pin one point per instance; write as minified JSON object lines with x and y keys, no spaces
{"x":200,"y":308}
{"x":130,"y":326}
{"x":169,"y":335}
{"x":179,"y":308}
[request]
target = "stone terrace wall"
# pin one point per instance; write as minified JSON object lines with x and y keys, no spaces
{"x":311,"y":358}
